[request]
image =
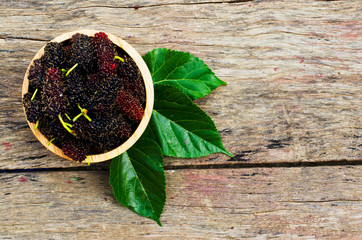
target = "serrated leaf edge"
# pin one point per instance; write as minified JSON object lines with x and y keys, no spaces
{"x":202,"y":112}
{"x":189,"y":55}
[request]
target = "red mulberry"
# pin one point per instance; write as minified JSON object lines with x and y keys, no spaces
{"x":105,"y":54}
{"x":74,"y":151}
{"x":130,"y":106}
{"x":133,"y":79}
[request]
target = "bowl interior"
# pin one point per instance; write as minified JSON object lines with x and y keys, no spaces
{"x":149,"y":98}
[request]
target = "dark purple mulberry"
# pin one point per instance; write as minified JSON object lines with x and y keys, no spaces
{"x":33,"y":108}
{"x":75,"y":89}
{"x":92,"y":84}
{"x":107,"y":132}
{"x":51,"y":127}
{"x":80,"y":126}
{"x":83,"y":51}
{"x":36,"y":75}
{"x":53,"y":96}
{"x":106,"y":95}
{"x":53,"y":55}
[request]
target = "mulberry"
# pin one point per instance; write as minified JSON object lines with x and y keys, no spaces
{"x":133,"y":79}
{"x":130,"y":106}
{"x":68,"y":55}
{"x":36,"y":75}
{"x":83,"y":51}
{"x":105,"y":54}
{"x":53,"y":93}
{"x":53,"y":55}
{"x":97,"y":126}
{"x":92,"y":83}
{"x":51,"y":127}
{"x":74,"y":151}
{"x":33,"y":108}
{"x":108,"y":132}
{"x":106,"y":96}
{"x":74,"y":88}
{"x":81,"y":128}
{"x":119,"y":128}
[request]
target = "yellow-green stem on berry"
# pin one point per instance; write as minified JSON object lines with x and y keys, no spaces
{"x":81,"y":109}
{"x":95,"y":92}
{"x":84,"y":112}
{"x":32,"y":97}
{"x":88,"y":160}
{"x":50,"y":141}
{"x":71,"y":69}
{"x":65,"y":125}
{"x":76,"y":117}
{"x":64,"y":70}
{"x":36,"y":125}
{"x":86,"y":116}
{"x":119,"y":58}
{"x":67,"y":116}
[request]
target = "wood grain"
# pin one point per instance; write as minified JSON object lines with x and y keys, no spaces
{"x":293,"y":70}
{"x":261,"y":203}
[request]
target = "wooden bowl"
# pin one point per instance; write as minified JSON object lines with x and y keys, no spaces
{"x":149,"y":98}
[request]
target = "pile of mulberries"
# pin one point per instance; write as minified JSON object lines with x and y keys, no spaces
{"x":86,"y":95}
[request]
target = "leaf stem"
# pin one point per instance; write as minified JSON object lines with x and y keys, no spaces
{"x":84,"y":112}
{"x":119,"y":58}
{"x":65,"y":125}
{"x":76,"y":117}
{"x":86,"y":116}
{"x":50,"y":141}
{"x":68,"y":117}
{"x":36,"y":125}
{"x":71,"y":69}
{"x":32,"y":97}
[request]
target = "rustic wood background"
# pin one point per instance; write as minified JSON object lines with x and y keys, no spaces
{"x":291,"y":114}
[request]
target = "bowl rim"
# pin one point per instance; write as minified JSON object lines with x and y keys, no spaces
{"x":147,"y":79}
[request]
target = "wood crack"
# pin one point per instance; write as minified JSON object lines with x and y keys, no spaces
{"x":23,"y":38}
{"x":165,"y":4}
{"x":95,"y":167}
{"x":325,"y":201}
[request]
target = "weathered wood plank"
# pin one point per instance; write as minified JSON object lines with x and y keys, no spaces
{"x":284,"y":203}
{"x":293,"y":70}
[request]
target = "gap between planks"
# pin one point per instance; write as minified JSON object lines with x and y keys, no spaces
{"x":103,"y":167}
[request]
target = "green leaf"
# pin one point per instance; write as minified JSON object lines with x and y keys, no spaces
{"x":138,"y":179}
{"x":181,"y":69}
{"x":182,"y":128}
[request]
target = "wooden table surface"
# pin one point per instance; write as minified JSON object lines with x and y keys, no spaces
{"x":291,"y":114}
